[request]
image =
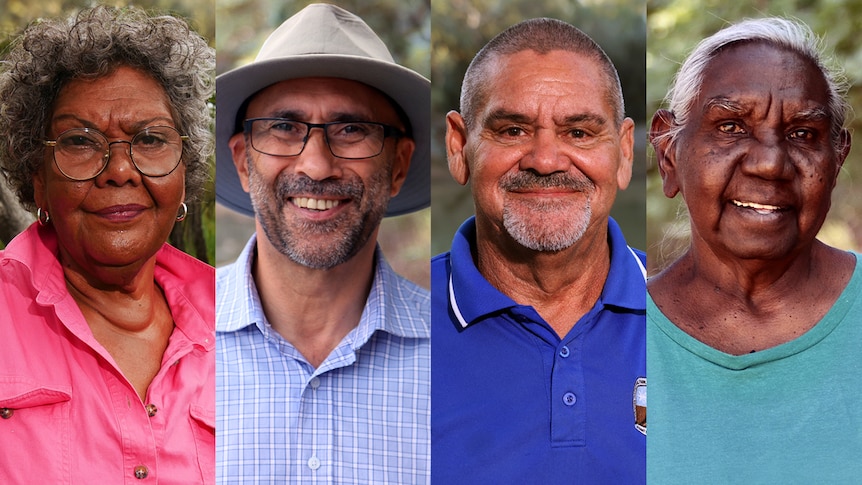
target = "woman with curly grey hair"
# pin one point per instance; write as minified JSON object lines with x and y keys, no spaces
{"x":107,"y":349}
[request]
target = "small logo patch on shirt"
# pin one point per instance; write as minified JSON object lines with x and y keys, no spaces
{"x":639,"y":404}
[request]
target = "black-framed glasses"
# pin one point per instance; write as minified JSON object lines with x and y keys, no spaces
{"x":352,"y":140}
{"x":83,"y":153}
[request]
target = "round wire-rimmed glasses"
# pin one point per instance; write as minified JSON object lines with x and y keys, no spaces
{"x":352,"y":140}
{"x":83,"y":153}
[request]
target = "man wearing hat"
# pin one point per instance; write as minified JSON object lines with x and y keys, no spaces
{"x":323,"y":357}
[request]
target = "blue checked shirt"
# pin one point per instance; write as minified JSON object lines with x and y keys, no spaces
{"x":363,"y":416}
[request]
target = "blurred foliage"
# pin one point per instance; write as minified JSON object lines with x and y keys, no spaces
{"x":674,"y":28}
{"x":461,"y":27}
{"x":405,"y":27}
{"x":196,"y":235}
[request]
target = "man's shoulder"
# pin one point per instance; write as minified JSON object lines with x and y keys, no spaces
{"x":409,"y":296}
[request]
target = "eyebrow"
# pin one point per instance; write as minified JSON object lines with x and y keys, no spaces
{"x":586,"y":117}
{"x":136,"y":126}
{"x":812,"y":114}
{"x":506,"y":115}
{"x":723,"y":103}
{"x":499,"y":115}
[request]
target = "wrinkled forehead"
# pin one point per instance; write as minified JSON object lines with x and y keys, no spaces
{"x":529,"y":80}
{"x":322,"y":99}
{"x":761,"y":71}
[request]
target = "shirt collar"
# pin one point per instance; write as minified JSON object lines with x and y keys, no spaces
{"x":387,"y":301}
{"x":472,"y":297}
{"x":37,"y":250}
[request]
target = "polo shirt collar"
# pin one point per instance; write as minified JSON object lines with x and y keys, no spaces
{"x":472,"y":298}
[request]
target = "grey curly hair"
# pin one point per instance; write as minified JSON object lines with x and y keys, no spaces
{"x":90,"y":45}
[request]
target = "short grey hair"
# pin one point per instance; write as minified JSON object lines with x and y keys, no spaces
{"x":791,"y":35}
{"x":541,"y":35}
{"x":90,"y":45}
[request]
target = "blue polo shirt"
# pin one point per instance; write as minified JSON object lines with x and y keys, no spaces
{"x":513,"y":403}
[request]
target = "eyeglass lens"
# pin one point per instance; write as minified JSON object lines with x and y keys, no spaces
{"x":82,"y":153}
{"x":286,"y":138}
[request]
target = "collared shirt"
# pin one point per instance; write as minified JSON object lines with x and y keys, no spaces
{"x":68,"y":413}
{"x":362,"y":416}
{"x":514,"y":403}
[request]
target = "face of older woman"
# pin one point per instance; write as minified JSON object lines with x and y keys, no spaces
{"x":756,"y":164}
{"x":120,"y":218}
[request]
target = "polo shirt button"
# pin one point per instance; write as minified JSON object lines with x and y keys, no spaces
{"x":6,"y":413}
{"x":152,"y":410}
{"x":314,"y":463}
{"x":564,"y":352}
{"x":569,"y":399}
{"x":141,"y":472}
{"x":315,"y":382}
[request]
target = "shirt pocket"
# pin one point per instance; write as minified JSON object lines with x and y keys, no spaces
{"x":203,"y":428}
{"x":35,"y":432}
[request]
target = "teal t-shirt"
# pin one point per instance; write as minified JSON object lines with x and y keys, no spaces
{"x":788,"y":414}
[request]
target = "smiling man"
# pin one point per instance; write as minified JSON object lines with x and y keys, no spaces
{"x":538,"y":309}
{"x":322,"y":350}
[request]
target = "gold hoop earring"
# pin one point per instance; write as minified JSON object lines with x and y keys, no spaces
{"x":184,"y":210}
{"x":42,"y":216}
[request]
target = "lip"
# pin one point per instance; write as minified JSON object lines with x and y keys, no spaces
{"x":121,"y":213}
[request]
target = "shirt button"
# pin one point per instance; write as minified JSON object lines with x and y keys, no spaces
{"x":152,"y":410}
{"x":564,"y":352}
{"x":141,"y":472}
{"x":315,"y":382}
{"x":314,"y":463}
{"x":569,"y":399}
{"x":6,"y":413}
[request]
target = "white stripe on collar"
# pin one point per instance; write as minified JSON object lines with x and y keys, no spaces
{"x":640,"y":265}
{"x":454,"y":304}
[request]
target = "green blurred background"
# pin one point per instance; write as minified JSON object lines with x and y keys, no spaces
{"x":461,"y":27}
{"x":404,"y":25}
{"x":674,"y":28}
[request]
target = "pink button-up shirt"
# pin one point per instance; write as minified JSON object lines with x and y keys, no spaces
{"x":67,"y":413}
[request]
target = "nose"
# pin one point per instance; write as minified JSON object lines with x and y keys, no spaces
{"x":768,"y":158}
{"x":544,"y":154}
{"x":120,"y":169}
{"x":316,"y":160}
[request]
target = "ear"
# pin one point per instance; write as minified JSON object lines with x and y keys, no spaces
{"x":844,"y":146}
{"x":240,"y":158}
{"x":456,"y":140}
{"x":627,"y":151}
{"x":662,"y":122}
{"x":403,"y":154}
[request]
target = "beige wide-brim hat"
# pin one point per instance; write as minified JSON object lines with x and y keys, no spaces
{"x":325,"y":41}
